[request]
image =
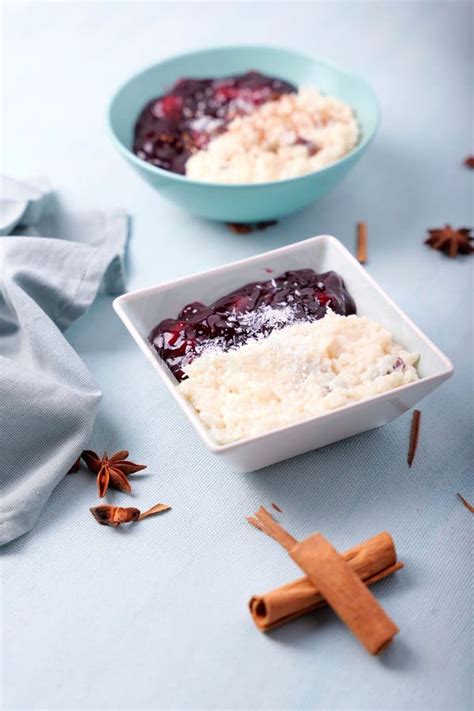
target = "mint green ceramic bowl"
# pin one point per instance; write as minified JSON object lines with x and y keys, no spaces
{"x":248,"y":202}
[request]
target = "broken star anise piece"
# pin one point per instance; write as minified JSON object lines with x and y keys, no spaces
{"x":452,"y":242}
{"x":156,"y":509}
{"x":114,"y":516}
{"x":108,"y":515}
{"x":243,"y":228}
{"x":111,"y":471}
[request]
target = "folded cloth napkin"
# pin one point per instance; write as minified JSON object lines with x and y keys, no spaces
{"x":50,"y":272}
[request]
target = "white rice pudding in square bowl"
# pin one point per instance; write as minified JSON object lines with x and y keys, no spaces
{"x":303,"y":370}
{"x":276,"y":352}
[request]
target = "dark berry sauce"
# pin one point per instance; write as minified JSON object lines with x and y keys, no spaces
{"x":173,"y":126}
{"x":251,"y":312}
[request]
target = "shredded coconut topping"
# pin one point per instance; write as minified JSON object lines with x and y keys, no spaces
{"x":256,"y":324}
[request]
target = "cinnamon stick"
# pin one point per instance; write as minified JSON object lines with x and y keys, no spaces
{"x":350,"y":599}
{"x":371,"y":560}
{"x":362,"y":242}
{"x":336,"y":581}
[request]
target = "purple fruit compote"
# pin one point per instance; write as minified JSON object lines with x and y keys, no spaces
{"x":173,"y":126}
{"x":251,"y":312}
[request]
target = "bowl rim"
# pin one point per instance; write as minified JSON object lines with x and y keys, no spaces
{"x":155,"y":170}
{"x":186,"y":406}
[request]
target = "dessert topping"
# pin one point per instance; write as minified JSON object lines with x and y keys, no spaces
{"x":251,"y":312}
{"x":173,"y":126}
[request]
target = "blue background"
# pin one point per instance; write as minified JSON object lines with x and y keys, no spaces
{"x":155,"y":616}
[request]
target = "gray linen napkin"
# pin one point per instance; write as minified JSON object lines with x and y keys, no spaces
{"x":50,"y":272}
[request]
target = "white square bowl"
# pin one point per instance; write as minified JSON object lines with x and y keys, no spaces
{"x":141,"y":310}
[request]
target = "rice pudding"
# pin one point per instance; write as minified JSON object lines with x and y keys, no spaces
{"x":248,"y":128}
{"x":275,"y":352}
{"x":304,"y":370}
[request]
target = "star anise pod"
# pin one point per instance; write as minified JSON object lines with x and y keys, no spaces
{"x":111,"y":471}
{"x":451,"y":242}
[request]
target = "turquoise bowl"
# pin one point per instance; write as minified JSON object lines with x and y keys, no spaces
{"x":247,"y":202}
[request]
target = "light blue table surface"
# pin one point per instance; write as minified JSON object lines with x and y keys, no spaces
{"x":156,"y":616}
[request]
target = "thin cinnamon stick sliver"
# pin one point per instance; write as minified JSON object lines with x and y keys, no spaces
{"x":264,"y":521}
{"x":344,"y":592}
{"x":414,"y":434}
{"x":466,"y":503}
{"x":371,"y":560}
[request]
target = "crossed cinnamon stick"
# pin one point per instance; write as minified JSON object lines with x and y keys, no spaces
{"x":338,"y":580}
